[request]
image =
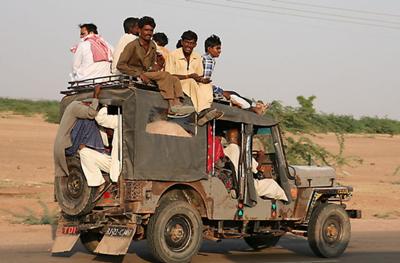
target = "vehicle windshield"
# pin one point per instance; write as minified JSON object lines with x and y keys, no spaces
{"x":262,"y":140}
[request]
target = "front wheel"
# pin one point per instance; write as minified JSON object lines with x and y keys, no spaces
{"x":174,"y":232}
{"x":329,"y":230}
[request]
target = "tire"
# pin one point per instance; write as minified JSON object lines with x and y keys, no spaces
{"x":74,"y":196}
{"x":258,"y":242}
{"x":329,"y":230}
{"x":90,"y":240}
{"x":174,"y":232}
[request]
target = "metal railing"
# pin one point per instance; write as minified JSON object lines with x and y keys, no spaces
{"x":111,"y":81}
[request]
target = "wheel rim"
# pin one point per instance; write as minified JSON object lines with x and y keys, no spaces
{"x":74,"y":186}
{"x":332,"y":231}
{"x":178,"y":232}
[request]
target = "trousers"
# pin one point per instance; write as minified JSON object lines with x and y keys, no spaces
{"x":269,"y":188}
{"x":93,"y":162}
{"x":169,"y":86}
{"x":200,"y":94}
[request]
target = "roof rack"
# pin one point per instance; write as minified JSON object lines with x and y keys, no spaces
{"x":114,"y":81}
{"x":111,"y":81}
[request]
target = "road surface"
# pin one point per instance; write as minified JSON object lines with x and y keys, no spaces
{"x":367,"y":245}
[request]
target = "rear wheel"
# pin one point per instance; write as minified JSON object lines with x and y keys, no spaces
{"x":174,"y":232}
{"x":329,"y":230}
{"x":90,"y":240}
{"x":73,"y":195}
{"x":258,"y":242}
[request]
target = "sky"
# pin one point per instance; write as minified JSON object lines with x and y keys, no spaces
{"x":271,"y":49}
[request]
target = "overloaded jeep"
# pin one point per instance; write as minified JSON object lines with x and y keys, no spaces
{"x":173,"y":193}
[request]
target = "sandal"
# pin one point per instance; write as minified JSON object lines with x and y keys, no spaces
{"x":210,"y":115}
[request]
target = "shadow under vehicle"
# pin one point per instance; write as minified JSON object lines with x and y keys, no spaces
{"x":172,"y":192}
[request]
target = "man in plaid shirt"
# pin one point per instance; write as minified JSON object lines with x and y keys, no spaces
{"x":209,"y":64}
{"x":213,"y":50}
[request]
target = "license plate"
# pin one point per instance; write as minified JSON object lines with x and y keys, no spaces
{"x":69,"y":230}
{"x":119,"y":231}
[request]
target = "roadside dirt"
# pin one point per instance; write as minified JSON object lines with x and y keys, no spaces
{"x":26,"y":172}
{"x":376,"y":180}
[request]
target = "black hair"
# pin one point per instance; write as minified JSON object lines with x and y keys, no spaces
{"x":212,"y":41}
{"x":129,"y":23}
{"x":161,"y":39}
{"x":146,"y":20}
{"x":189,"y":35}
{"x":91,"y":28}
{"x":179,"y":44}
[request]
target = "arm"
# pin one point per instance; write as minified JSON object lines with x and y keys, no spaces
{"x":170,"y":66}
{"x":198,"y":67}
{"x":124,"y":58}
{"x":83,"y":111}
{"x":76,"y":64}
{"x":159,"y":63}
{"x":199,"y":72}
{"x":254,"y":166}
{"x":105,"y":120}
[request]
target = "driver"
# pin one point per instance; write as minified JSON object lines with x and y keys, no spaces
{"x":267,"y":187}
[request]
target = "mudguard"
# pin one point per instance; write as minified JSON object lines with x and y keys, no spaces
{"x":66,"y":237}
{"x":116,"y":240}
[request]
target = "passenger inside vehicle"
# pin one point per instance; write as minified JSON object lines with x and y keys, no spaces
{"x":264,"y":183}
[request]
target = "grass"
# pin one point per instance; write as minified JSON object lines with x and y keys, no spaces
{"x":382,"y":215}
{"x":50,"y":109}
{"x":31,"y":218}
{"x":396,"y":171}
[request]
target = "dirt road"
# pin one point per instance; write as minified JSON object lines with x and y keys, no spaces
{"x":377,"y":243}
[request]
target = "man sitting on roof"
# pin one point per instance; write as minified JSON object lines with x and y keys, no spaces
{"x":212,"y":47}
{"x":131,"y":29}
{"x":139,"y":59}
{"x":161,"y":41}
{"x":186,"y":64}
{"x":92,"y":56}
{"x":265,"y":187}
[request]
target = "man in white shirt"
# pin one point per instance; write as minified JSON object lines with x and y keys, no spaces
{"x":265,"y":187}
{"x":131,"y":29}
{"x":93,"y":162}
{"x":92,"y":56}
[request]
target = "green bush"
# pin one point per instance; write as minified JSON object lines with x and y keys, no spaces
{"x":50,"y":109}
{"x":305,"y":119}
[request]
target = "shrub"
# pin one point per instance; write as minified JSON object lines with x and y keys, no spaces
{"x":50,"y":109}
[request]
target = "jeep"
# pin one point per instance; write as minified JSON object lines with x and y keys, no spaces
{"x":173,"y":193}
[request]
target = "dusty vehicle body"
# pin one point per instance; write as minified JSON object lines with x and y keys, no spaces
{"x":166,"y":194}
